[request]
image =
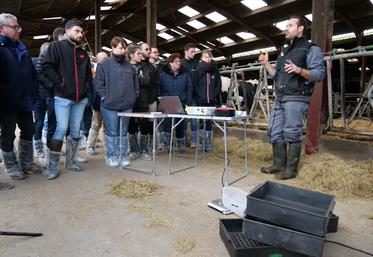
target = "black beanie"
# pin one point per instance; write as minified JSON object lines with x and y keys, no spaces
{"x":73,"y":22}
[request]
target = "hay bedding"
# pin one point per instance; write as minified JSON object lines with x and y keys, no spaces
{"x":157,"y":220}
{"x":321,"y":172}
{"x":357,"y":124}
{"x":184,"y":245}
{"x":134,"y":189}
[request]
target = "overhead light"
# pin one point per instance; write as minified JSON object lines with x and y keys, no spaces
{"x":127,"y":40}
{"x":196,"y":24}
{"x":166,"y":55}
{"x":106,"y":48}
{"x":205,"y":46}
{"x":219,"y":58}
{"x":281,"y":25}
{"x":177,"y":32}
{"x":254,"y":4}
{"x":104,"y":31}
{"x":208,"y":42}
{"x":254,"y":52}
{"x":366,"y":68}
{"x":52,"y":18}
{"x":353,"y":60}
{"x":112,"y":1}
{"x":197,"y":50}
{"x":371,"y":1}
{"x":343,"y":36}
{"x":188,"y":11}
{"x":41,"y":37}
{"x":368,"y":32}
{"x":159,"y":26}
{"x":165,"y":36}
{"x":183,"y":29}
{"x":216,"y":17}
{"x":90,"y":18}
{"x":245,"y":35}
{"x":309,"y":17}
{"x":105,"y":8}
{"x":225,"y":40}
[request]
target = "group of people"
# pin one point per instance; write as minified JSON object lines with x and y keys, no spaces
{"x":64,"y":88}
{"x":72,"y":95}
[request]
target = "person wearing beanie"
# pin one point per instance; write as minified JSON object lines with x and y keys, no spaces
{"x":67,"y":65}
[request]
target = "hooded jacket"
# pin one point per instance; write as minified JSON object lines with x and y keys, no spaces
{"x":116,"y":83}
{"x":68,"y":67}
{"x":178,"y":84}
{"x":207,"y":83}
{"x":18,"y":86}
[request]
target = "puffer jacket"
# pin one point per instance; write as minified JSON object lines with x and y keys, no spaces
{"x":178,"y":84}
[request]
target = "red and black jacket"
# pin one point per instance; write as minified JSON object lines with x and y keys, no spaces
{"x":68,"y":67}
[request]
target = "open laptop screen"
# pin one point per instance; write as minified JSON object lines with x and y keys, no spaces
{"x":170,"y":105}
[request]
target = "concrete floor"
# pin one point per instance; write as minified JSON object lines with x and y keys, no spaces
{"x":80,"y":218}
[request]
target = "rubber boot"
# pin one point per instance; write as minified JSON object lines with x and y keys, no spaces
{"x":53,"y":164}
{"x":208,"y":141}
{"x":92,"y":141}
{"x":111,"y":159}
{"x":1,"y":156}
{"x":39,"y":149}
{"x":279,"y":159}
{"x":181,"y":145}
{"x":193,"y":139}
{"x":144,"y":151}
{"x":123,"y":159}
{"x":71,"y":148}
{"x":78,"y":157}
{"x":11,"y":166}
{"x":5,"y":186}
{"x":166,"y":140}
{"x":26,"y":157}
{"x":134,"y":147}
{"x":292,"y":163}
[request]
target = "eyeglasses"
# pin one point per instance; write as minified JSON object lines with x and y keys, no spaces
{"x":17,"y":28}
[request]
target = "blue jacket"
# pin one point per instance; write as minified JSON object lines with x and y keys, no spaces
{"x":176,"y":85}
{"x":18,"y":87}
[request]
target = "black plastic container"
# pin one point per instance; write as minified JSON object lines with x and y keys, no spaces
{"x":291,"y":207}
{"x":238,"y":245}
{"x":333,"y":223}
{"x":288,"y":239}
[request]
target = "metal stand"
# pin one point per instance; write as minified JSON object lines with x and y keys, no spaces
{"x":261,"y":97}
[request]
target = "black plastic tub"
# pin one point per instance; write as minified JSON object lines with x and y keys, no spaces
{"x":288,"y":239}
{"x":238,"y":245}
{"x":291,"y":207}
{"x":333,"y":223}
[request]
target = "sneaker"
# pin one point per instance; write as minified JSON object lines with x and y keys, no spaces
{"x":112,"y":162}
{"x":125,"y":162}
{"x":145,"y":156}
{"x":91,"y":151}
{"x":83,"y":143}
{"x":80,"y":159}
{"x":133,"y":155}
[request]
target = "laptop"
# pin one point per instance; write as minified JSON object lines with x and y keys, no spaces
{"x":170,"y":105}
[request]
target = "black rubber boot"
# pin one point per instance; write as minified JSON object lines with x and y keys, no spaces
{"x":292,"y":163}
{"x":279,"y":159}
{"x":26,"y":157}
{"x":12,"y":167}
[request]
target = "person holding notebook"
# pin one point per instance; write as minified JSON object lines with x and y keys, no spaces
{"x":175,"y":81}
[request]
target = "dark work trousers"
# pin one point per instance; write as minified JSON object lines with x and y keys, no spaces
{"x":52,"y":123}
{"x":8,"y":122}
{"x":40,"y":109}
{"x":179,"y":129}
{"x":146,"y":126}
{"x":85,"y":125}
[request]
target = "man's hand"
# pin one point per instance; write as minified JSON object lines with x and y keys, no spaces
{"x":263,"y":58}
{"x":290,"y":67}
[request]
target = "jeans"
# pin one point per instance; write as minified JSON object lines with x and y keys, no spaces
{"x":111,"y":121}
{"x":8,"y":122}
{"x":40,"y":109}
{"x":286,"y":121}
{"x":69,"y":114}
